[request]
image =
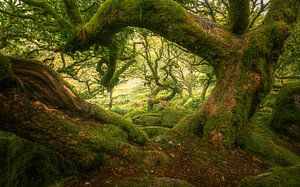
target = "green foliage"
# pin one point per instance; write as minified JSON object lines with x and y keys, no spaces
{"x":24,"y":163}
{"x":286,"y":113}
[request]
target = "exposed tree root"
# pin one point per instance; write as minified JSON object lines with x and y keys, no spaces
{"x":43,"y":84}
{"x":259,"y":139}
{"x":35,"y":113}
{"x":278,"y":176}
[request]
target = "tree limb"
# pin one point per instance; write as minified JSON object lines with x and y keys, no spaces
{"x":73,"y":12}
{"x":239,"y":12}
{"x":165,"y":17}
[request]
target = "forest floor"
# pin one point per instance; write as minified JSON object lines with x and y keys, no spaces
{"x":189,"y":160}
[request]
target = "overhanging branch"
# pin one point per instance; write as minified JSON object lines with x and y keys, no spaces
{"x":164,"y":17}
{"x":73,"y":12}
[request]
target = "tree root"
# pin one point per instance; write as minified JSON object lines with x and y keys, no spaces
{"x":43,"y":84}
{"x":278,"y":176}
{"x":258,"y":138}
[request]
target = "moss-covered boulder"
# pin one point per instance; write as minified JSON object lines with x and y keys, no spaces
{"x":286,"y":113}
{"x":171,"y":116}
{"x":153,"y":131}
{"x":24,"y":163}
{"x":148,"y":120}
{"x":277,"y":176}
{"x":145,"y":118}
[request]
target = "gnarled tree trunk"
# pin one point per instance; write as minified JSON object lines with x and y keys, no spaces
{"x":244,"y":60}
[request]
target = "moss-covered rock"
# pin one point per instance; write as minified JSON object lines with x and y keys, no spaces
{"x":171,"y":116}
{"x":286,"y":113}
{"x":145,"y":118}
{"x":24,"y":163}
{"x":153,"y":131}
{"x":278,"y":176}
{"x":134,"y":133}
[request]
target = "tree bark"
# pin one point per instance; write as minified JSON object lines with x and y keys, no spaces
{"x":243,"y":81}
{"x":239,"y":12}
{"x":205,"y":88}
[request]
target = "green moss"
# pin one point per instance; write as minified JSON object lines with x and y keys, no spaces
{"x":102,"y":138}
{"x":286,"y":113}
{"x":171,"y":116}
{"x":177,"y":25}
{"x":133,"y":132}
{"x":134,"y":113}
{"x":258,"y":138}
{"x":24,"y":163}
{"x":219,"y":129}
{"x":277,"y":176}
{"x":147,"y":119}
{"x":191,"y":123}
{"x":108,"y":138}
{"x":239,"y":11}
{"x":283,"y":10}
{"x":153,"y":131}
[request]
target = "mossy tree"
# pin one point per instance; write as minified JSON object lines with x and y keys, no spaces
{"x":244,"y":60}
